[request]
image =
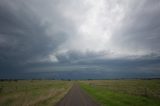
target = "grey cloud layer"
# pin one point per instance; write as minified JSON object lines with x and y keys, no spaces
{"x":141,"y":27}
{"x":24,"y":37}
{"x":53,"y":33}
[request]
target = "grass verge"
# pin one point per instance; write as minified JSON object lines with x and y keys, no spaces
{"x":32,"y":92}
{"x":111,"y":98}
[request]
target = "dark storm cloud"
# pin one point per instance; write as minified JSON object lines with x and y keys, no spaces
{"x":43,"y":37}
{"x":23,"y":37}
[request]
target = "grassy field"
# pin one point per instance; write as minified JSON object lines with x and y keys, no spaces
{"x":32,"y":92}
{"x":124,"y":92}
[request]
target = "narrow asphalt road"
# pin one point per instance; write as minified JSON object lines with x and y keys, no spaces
{"x":76,"y":97}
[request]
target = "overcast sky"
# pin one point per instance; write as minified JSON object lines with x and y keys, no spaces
{"x":53,"y":36}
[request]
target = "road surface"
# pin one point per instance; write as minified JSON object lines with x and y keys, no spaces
{"x":76,"y":97}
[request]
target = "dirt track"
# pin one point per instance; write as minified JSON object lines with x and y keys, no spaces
{"x":76,"y":97}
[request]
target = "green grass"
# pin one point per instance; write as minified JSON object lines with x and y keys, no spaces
{"x":123,"y":92}
{"x":32,"y":92}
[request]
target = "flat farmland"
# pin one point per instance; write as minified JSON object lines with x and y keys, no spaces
{"x":124,"y":92}
{"x":80,"y":93}
{"x":32,"y":92}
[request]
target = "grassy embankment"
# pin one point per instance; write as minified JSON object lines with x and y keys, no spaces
{"x":32,"y":93}
{"x":124,"y":92}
